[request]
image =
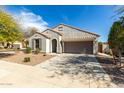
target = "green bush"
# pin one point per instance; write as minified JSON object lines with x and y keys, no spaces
{"x":28,"y":50}
{"x":37,"y":51}
{"x":27,"y":59}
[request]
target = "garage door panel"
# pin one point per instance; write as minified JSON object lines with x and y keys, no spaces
{"x":78,"y":47}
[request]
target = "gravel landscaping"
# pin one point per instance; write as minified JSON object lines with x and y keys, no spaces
{"x":116,"y":75}
{"x":18,"y":57}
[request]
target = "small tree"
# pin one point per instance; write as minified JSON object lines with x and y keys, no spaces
{"x":116,"y":38}
{"x":9,"y":29}
{"x":30,"y":31}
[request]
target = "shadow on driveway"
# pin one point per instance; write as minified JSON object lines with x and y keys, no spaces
{"x":116,"y":75}
{"x":77,"y":66}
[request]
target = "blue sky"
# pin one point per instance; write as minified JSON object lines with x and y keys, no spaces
{"x":97,"y":19}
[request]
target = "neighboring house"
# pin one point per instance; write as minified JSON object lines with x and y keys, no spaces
{"x":17,"y":45}
{"x":65,"y":39}
{"x":103,"y":47}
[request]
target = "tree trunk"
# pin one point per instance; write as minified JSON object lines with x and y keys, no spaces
{"x":112,"y":53}
{"x":12,"y":45}
{"x":119,"y":52}
{"x":3,"y":44}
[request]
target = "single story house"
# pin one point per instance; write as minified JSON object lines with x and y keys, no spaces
{"x":65,"y":39}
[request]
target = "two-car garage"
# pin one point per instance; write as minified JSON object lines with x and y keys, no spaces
{"x":78,"y":47}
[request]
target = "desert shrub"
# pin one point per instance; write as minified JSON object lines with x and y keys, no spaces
{"x":28,"y":50}
{"x":5,"y":47}
{"x":27,"y":59}
{"x":44,"y":54}
{"x":37,"y":51}
{"x":18,"y":48}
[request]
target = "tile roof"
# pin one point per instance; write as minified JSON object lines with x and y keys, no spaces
{"x":70,"y":33}
{"x":43,"y":35}
{"x":77,"y":29}
{"x":44,"y":32}
{"x":74,"y":34}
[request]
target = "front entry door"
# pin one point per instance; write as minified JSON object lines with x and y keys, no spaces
{"x":54,"y":45}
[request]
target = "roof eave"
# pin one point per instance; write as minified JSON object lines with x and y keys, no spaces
{"x":53,"y":31}
{"x":43,"y":35}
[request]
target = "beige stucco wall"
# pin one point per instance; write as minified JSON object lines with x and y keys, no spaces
{"x":105,"y":48}
{"x":95,"y":46}
{"x":56,"y":36}
{"x":44,"y":42}
{"x":47,"y":43}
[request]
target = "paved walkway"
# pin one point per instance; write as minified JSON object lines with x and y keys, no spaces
{"x":17,"y":75}
{"x":65,"y":70}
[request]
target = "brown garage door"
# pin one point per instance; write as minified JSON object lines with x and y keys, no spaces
{"x":78,"y":47}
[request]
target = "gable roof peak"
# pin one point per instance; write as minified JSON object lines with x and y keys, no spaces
{"x":43,"y":34}
{"x":52,"y":31}
{"x":77,"y":29}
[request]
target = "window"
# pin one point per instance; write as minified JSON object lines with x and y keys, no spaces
{"x":37,"y":43}
{"x":60,"y":28}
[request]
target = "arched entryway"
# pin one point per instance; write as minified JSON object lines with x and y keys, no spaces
{"x":54,"y":45}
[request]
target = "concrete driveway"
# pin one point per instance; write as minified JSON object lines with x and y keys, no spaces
{"x":64,"y":70}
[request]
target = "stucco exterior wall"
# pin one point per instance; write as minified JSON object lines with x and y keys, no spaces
{"x":95,"y":46}
{"x":44,"y":42}
{"x":47,"y":45}
{"x":56,"y":36}
{"x":68,"y":34}
{"x":105,"y":48}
